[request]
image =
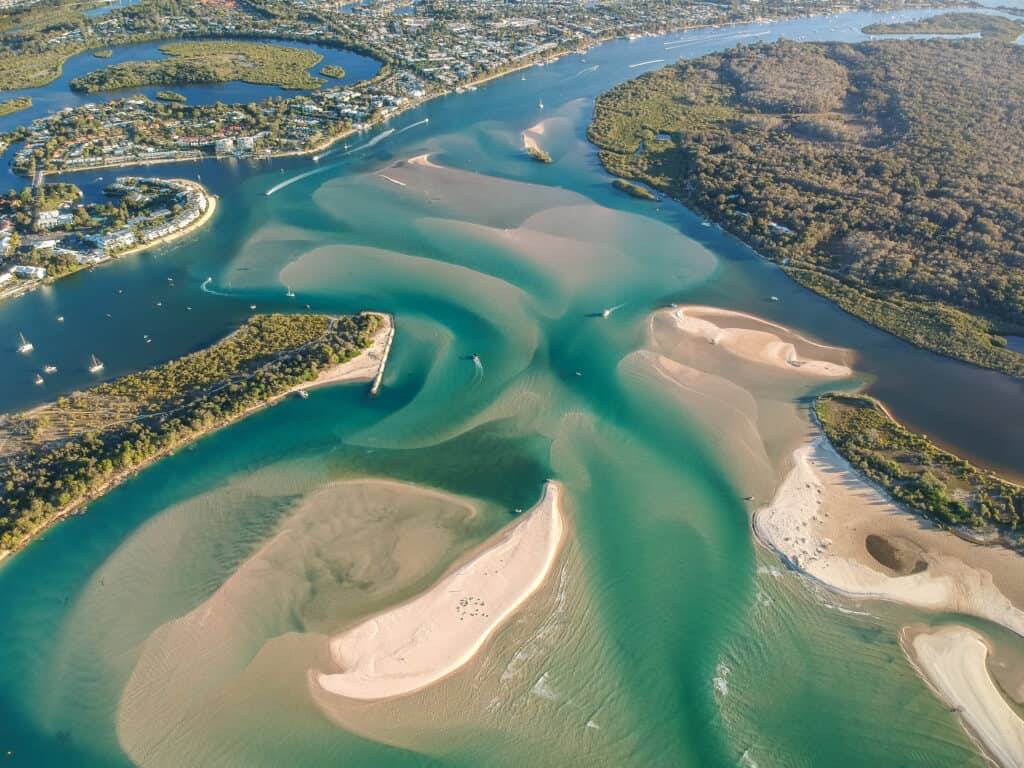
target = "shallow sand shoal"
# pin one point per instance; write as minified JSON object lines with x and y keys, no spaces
{"x":365,"y":366}
{"x":952,"y":661}
{"x":829,"y":522}
{"x":407,"y":648}
{"x":757,"y":345}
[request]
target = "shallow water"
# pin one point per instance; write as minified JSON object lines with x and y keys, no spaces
{"x":666,"y":637}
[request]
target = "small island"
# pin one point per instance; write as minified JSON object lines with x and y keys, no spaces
{"x":172,"y":96}
{"x":48,"y":232}
{"x":333,"y":71}
{"x":58,"y":456}
{"x":634,"y":190}
{"x":998,"y":27}
{"x":17,"y":104}
{"x":944,"y":488}
{"x":218,"y":61}
{"x":538,"y":154}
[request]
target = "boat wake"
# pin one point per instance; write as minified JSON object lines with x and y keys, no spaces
{"x":205,"y":288}
{"x":645,"y":63}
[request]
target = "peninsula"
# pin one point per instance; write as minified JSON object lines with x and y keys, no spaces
{"x":838,"y":162}
{"x":58,"y":456}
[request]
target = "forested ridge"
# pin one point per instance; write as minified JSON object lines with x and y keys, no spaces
{"x":887,"y":176}
{"x":59,"y":454}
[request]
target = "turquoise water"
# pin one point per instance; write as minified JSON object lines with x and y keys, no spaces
{"x":664,"y":627}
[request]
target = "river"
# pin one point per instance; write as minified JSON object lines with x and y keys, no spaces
{"x":667,"y":637}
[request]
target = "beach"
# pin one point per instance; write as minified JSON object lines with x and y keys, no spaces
{"x":829,"y":522}
{"x":953,"y":662}
{"x":416,"y":644}
{"x":761,"y":344}
{"x":531,"y":136}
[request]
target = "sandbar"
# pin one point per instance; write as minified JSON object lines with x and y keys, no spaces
{"x":416,"y":644}
{"x":754,"y":345}
{"x":829,"y":522}
{"x":530,"y":135}
{"x":952,"y":661}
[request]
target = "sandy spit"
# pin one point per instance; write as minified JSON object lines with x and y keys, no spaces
{"x":416,"y":644}
{"x":830,"y":523}
{"x":757,"y":346}
{"x":952,"y":661}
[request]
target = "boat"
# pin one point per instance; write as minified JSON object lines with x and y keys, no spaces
{"x":303,"y":394}
{"x":39,"y":379}
{"x":60,"y":318}
{"x":24,"y":345}
{"x":95,"y":364}
{"x":48,"y":369}
{"x":774,"y":298}
{"x":540,"y":104}
{"x":606,"y":312}
{"x":290,"y":294}
{"x":475,"y":357}
{"x":252,"y":306}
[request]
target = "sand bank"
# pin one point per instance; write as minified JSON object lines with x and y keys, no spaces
{"x":532,"y":134}
{"x":952,"y":661}
{"x":826,"y":520}
{"x":407,"y":648}
{"x":757,"y":345}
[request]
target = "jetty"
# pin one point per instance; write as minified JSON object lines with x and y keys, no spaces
{"x":375,"y":386}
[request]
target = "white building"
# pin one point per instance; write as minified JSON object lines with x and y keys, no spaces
{"x":29,"y":273}
{"x":53,"y":219}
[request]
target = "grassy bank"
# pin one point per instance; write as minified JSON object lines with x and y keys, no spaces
{"x":940,"y":486}
{"x":61,"y":454}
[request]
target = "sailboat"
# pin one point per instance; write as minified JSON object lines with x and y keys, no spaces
{"x":290,"y":294}
{"x":540,"y":104}
{"x":48,"y":369}
{"x":24,"y":346}
{"x":95,"y":364}
{"x":39,"y":379}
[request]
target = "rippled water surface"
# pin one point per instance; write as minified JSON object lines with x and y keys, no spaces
{"x":177,"y":622}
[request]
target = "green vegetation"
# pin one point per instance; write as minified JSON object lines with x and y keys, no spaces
{"x":886,"y":176}
{"x":17,"y":104}
{"x":997,"y":27}
{"x":634,"y":190}
{"x":106,"y":53}
{"x":174,"y":96}
{"x":538,"y":154}
{"x":58,"y":455}
{"x":211,"y":62}
{"x":944,"y":488}
{"x":333,"y":71}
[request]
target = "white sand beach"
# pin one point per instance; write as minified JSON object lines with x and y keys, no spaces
{"x":532,"y":134}
{"x":364,"y":367}
{"x":830,"y":523}
{"x":952,"y":661}
{"x":409,"y":647}
{"x":755,"y":345}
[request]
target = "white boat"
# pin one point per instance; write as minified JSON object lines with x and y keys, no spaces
{"x":24,"y":345}
{"x":606,"y":313}
{"x":252,"y":306}
{"x":95,"y":364}
{"x":48,"y":369}
{"x":39,"y":379}
{"x":290,"y":294}
{"x":540,"y":104}
{"x":60,"y":318}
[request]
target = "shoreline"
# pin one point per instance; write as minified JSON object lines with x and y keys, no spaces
{"x":832,"y":525}
{"x":195,"y":226}
{"x":409,"y":647}
{"x":952,"y":662}
{"x":354,"y":369}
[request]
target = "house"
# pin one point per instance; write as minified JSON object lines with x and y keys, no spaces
{"x":53,"y":219}
{"x":29,"y":273}
{"x":6,"y":277}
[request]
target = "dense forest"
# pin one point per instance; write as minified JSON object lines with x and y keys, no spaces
{"x":941,"y":486}
{"x":211,"y":62}
{"x":982,"y":24}
{"x":887,"y":176}
{"x":60,"y":454}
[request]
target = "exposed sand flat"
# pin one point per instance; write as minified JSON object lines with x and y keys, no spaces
{"x":407,"y":648}
{"x":826,"y":520}
{"x":532,"y":134}
{"x":423,"y":160}
{"x":758,"y":345}
{"x":952,"y":660}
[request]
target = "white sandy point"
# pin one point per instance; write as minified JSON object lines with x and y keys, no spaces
{"x":414,"y":645}
{"x":952,"y":661}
